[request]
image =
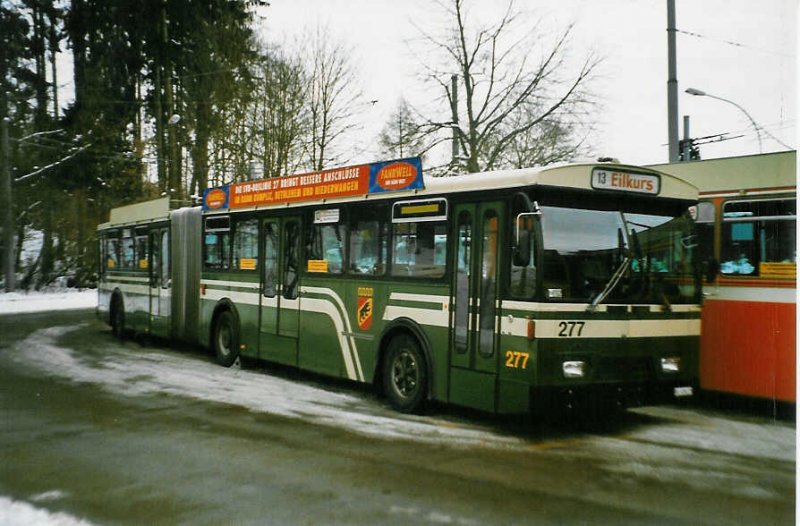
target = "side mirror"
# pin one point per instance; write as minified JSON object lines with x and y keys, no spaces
{"x":522,"y":252}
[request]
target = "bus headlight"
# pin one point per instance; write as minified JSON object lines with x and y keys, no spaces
{"x":574,"y":369}
{"x":671,"y":364}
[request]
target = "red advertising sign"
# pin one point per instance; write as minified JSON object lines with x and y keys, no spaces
{"x":353,"y":180}
{"x":386,"y":176}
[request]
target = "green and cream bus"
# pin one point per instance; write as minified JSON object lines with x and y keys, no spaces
{"x":504,"y":291}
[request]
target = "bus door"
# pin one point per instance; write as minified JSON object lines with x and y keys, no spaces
{"x":280,"y":290}
{"x":160,"y":285}
{"x":473,"y":347}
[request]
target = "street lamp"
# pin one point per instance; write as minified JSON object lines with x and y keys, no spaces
{"x":701,"y":93}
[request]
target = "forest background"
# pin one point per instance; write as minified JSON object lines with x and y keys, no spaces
{"x":175,"y":96}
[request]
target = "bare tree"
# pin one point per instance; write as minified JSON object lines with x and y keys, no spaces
{"x":403,"y":135}
{"x":280,"y":119}
{"x":514,"y":82}
{"x":549,"y":141}
{"x":333,"y":98}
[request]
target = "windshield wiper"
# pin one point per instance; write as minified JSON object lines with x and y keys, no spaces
{"x":612,"y":283}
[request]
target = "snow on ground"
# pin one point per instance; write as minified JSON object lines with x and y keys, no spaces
{"x":58,"y":299}
{"x":130,"y":371}
{"x":693,"y":447}
{"x":17,"y":513}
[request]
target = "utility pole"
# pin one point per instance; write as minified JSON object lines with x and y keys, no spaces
{"x":672,"y":85}
{"x":6,"y":205}
{"x":686,"y":143}
{"x":174,"y":190}
{"x":454,"y":110}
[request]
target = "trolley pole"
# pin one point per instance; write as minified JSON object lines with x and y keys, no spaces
{"x":6,"y":204}
{"x":672,"y":85}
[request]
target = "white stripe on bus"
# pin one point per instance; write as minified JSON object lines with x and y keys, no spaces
{"x":352,"y":348}
{"x":420,"y":298}
{"x":434,"y":318}
{"x":246,"y":298}
{"x":530,"y":306}
{"x":221,"y":283}
{"x":600,"y":328}
{"x":128,"y":288}
{"x":324,"y":306}
{"x":122,"y":279}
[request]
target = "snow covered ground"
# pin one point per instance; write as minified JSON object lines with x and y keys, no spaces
{"x":58,"y":299}
{"x":14,"y":512}
{"x":697,"y":445}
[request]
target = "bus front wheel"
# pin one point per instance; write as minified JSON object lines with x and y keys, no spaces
{"x":226,"y":339}
{"x":405,"y":375}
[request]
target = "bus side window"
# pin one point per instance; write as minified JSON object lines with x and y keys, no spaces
{"x":759,"y":238}
{"x":155,"y":258}
{"x":291,"y":258}
{"x":325,"y":248}
{"x":165,"y":264}
{"x":127,"y":255}
{"x":245,"y":245}
{"x":216,"y":243}
{"x":271,"y":249}
{"x":419,"y":249}
{"x":112,"y":251}
{"x":369,"y":244}
{"x":142,"y":254}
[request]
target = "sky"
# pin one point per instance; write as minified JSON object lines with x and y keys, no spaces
{"x":739,"y":50}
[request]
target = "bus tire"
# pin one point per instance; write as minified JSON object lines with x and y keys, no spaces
{"x":117,"y":318}
{"x":226,"y":338}
{"x":405,"y":374}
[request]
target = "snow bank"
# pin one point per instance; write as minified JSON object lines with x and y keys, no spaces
{"x":61,"y":299}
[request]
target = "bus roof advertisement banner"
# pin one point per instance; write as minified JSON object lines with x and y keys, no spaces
{"x":388,"y":176}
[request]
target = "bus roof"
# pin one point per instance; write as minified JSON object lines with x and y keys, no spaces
{"x":569,"y":176}
{"x":577,"y":176}
{"x":145,"y":212}
{"x":742,"y":175}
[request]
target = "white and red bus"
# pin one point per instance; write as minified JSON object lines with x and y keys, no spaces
{"x":747,"y":226}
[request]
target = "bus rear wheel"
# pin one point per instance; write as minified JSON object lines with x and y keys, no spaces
{"x":226,"y":339}
{"x":117,"y":319}
{"x":405,"y":375}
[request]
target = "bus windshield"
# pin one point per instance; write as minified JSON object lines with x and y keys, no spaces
{"x":617,"y":257}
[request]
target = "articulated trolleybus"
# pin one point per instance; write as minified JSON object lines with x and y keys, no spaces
{"x":505,"y":292}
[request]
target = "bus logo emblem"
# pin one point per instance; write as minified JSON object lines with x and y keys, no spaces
{"x":364,"y":308}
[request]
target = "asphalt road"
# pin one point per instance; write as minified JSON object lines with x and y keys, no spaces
{"x":93,"y":431}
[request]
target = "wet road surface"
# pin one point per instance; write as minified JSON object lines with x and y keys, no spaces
{"x":95,"y":431}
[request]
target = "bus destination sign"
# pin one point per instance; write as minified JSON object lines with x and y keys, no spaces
{"x":380,"y":177}
{"x":604,"y":179}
